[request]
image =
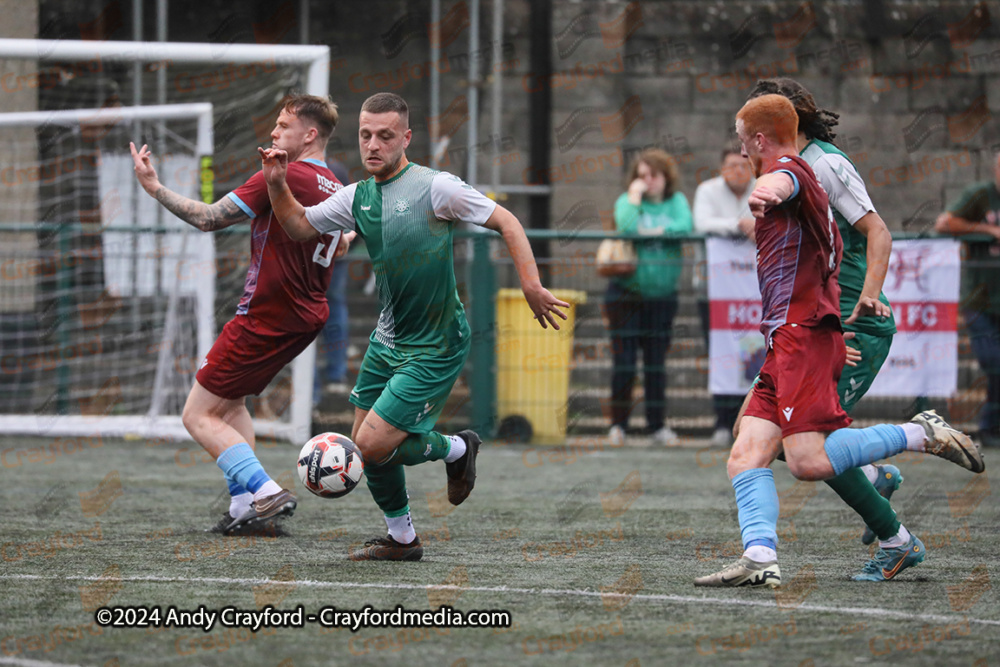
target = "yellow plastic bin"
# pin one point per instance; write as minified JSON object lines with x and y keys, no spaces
{"x":533,"y":366}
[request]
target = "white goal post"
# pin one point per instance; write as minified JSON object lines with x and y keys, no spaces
{"x":315,"y":59}
{"x":153,"y":424}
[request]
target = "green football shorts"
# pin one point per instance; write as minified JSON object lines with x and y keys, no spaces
{"x":408,"y":389}
{"x":856,"y":380}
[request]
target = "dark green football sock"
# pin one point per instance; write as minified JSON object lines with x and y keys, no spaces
{"x":388,"y":486}
{"x":855,"y":490}
{"x":421,"y":447}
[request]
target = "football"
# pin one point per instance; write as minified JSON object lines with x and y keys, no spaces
{"x":330,"y":465}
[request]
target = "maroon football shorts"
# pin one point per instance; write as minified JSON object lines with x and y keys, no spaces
{"x":244,"y":359}
{"x":797,"y":388}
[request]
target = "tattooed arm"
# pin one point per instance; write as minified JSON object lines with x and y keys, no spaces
{"x":206,"y":217}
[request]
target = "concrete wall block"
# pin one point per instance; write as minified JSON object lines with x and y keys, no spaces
{"x":955,"y":94}
{"x":869,"y":93}
{"x":661,"y":96}
{"x":983,"y":57}
{"x":725,"y":94}
{"x":577,"y":207}
{"x":641,"y":56}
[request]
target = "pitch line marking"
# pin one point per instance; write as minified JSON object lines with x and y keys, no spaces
{"x":650,"y":597}
{"x":26,"y":662}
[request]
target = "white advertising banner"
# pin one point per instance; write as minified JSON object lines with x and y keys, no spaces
{"x":922,"y":285}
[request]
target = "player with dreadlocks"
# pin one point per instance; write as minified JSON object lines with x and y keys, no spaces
{"x":867,"y":245}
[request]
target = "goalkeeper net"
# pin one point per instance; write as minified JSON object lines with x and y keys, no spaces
{"x":108,"y":303}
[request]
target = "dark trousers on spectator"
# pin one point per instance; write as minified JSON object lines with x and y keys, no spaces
{"x":637,"y":324}
{"x":984,"y":335}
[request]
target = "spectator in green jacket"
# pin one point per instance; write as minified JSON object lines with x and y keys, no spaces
{"x":640,"y":308}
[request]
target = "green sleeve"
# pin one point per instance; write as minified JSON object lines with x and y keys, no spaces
{"x":972,"y":204}
{"x":626,"y":215}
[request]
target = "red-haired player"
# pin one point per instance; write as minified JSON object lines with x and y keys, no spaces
{"x":794,"y":404}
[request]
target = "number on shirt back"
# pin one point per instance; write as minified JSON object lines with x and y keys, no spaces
{"x":325,"y":259}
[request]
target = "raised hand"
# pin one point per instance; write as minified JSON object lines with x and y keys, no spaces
{"x":144,"y":169}
{"x":275,"y":164}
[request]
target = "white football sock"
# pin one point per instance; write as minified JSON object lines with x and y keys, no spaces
{"x":760,"y":553}
{"x":401,"y":528}
{"x":897,"y":540}
{"x":456,"y":450}
{"x":916,"y":437}
{"x":269,"y":488}
{"x":871,"y":472}
{"x":239,"y":504}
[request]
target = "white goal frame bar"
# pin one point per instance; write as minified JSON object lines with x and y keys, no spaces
{"x":317,"y":59}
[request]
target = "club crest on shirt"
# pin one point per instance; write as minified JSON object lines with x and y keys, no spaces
{"x":402,"y":206}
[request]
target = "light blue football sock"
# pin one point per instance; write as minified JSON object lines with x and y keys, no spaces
{"x":853,"y":447}
{"x":757,"y":502}
{"x":235,"y":488}
{"x":240,"y":463}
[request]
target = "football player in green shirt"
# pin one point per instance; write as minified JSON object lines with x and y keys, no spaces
{"x":406,"y":213}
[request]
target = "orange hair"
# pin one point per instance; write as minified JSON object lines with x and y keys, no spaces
{"x":771,"y":115}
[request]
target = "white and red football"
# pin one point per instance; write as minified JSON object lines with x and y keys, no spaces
{"x":330,"y":465}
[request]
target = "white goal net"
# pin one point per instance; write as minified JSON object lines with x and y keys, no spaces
{"x":108,"y":302}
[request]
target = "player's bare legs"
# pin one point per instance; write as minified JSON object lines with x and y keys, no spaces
{"x":376,"y":438}
{"x":224,"y":429}
{"x":757,"y":445}
{"x":816,"y":456}
{"x":241,"y":421}
{"x":386,"y":450}
{"x":806,"y":457}
{"x":216,"y":423}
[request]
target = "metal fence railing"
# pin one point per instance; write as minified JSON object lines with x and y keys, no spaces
{"x":586,"y":404}
{"x":53,"y":296}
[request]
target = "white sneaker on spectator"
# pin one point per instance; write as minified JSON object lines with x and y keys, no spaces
{"x":722,"y":438}
{"x":666,"y":436}
{"x":616,"y":436}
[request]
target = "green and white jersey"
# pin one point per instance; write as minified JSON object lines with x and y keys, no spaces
{"x":407,"y":223}
{"x":850,"y":202}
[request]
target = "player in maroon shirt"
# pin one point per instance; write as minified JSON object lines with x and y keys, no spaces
{"x":794,"y":404}
{"x":283,"y":306}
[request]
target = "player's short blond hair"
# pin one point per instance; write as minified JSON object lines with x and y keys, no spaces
{"x":320,"y":111}
{"x":771,"y":115}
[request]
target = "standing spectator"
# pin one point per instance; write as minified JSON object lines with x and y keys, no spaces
{"x":720,"y":207}
{"x":977,"y":211}
{"x":334,"y":336}
{"x":640,"y":308}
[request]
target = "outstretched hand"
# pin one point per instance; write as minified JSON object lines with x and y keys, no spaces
{"x":543,"y":304}
{"x":867,"y":305}
{"x":275,"y":164}
{"x":144,"y":169}
{"x":853,"y":354}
